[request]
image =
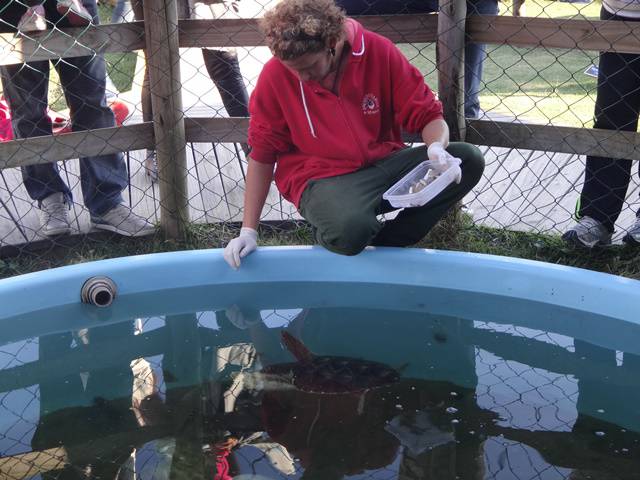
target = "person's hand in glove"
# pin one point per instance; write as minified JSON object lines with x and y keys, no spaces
{"x":240,"y":247}
{"x":442,"y":159}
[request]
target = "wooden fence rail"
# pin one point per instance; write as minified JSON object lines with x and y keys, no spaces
{"x":565,"y":34}
{"x":591,"y":35}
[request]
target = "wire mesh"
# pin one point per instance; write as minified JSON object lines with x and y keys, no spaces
{"x":523,"y":189}
{"x":197,"y":405}
{"x":526,"y":189}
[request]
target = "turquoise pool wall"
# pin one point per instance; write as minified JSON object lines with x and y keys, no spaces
{"x":204,"y":272}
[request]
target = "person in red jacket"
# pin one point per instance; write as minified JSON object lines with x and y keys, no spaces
{"x":327,"y":115}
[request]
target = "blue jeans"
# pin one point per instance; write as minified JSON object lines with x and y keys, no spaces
{"x":102,"y":177}
{"x":119,"y":14}
{"x":474,"y":53}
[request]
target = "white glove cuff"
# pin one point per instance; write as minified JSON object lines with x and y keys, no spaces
{"x":249,"y":232}
{"x":434,"y":149}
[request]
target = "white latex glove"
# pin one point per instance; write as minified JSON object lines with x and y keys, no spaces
{"x":240,"y":247}
{"x":442,"y":159}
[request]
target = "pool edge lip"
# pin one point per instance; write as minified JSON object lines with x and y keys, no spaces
{"x":557,"y":284}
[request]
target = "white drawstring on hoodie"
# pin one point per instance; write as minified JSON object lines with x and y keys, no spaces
{"x":304,"y":99}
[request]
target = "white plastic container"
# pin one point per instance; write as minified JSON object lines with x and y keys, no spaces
{"x":401,"y":195}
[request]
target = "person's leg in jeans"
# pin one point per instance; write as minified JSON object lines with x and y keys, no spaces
{"x":474,"y":56}
{"x":25,"y":89}
{"x":344,"y":209}
{"x":617,"y":108}
{"x":120,"y":12}
{"x":103,"y":177}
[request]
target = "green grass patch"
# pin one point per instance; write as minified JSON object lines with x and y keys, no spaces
{"x":535,"y":84}
{"x":449,"y":234}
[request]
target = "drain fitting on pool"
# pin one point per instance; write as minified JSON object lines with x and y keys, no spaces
{"x":98,"y":291}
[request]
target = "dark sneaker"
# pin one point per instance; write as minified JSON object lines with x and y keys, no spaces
{"x":123,"y":221}
{"x":633,"y":235}
{"x":588,"y":233}
{"x":55,"y":217}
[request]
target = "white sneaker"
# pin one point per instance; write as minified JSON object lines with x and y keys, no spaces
{"x":588,"y":233}
{"x":151,"y":166}
{"x":74,"y":11}
{"x":121,"y":219}
{"x":55,"y":220}
{"x":33,"y":20}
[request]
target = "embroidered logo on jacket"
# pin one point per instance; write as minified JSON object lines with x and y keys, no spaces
{"x":370,"y":104}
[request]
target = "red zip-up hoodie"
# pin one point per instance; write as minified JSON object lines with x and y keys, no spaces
{"x":311,"y":133}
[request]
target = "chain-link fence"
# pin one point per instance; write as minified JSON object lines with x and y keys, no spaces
{"x":529,"y":103}
{"x":183,"y":395}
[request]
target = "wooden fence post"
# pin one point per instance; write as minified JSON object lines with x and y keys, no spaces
{"x":452,"y":16}
{"x":163,"y":60}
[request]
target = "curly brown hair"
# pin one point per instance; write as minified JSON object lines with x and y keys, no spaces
{"x":296,"y":27}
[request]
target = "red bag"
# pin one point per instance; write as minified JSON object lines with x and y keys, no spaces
{"x":60,"y":123}
{"x":6,"y":133}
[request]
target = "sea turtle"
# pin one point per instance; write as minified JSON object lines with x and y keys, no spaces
{"x":328,"y":374}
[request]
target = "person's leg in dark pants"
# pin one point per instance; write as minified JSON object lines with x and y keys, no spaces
{"x":224,"y":70}
{"x":617,"y":108}
{"x":344,"y":209}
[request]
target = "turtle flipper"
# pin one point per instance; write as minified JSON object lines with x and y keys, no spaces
{"x":297,"y":348}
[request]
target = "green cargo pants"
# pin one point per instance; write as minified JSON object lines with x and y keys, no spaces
{"x":344,"y":209}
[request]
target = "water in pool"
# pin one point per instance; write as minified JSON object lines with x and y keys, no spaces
{"x":303,"y":382}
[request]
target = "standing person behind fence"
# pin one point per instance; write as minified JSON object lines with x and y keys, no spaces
{"x":606,"y":180}
{"x":222,"y":66}
{"x":102,"y":177}
{"x":327,"y":114}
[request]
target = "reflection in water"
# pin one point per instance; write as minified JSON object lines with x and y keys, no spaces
{"x":318,"y":393}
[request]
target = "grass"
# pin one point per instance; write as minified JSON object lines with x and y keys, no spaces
{"x":449,"y":234}
{"x":536,"y":84}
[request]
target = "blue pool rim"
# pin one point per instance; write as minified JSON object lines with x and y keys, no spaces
{"x":570,"y":287}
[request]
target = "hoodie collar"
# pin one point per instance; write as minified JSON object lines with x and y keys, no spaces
{"x":355,"y":36}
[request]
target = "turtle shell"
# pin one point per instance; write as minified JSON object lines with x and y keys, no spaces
{"x":333,"y":374}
